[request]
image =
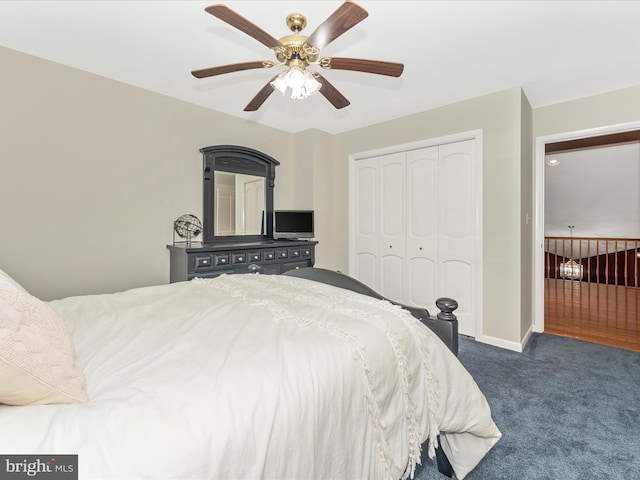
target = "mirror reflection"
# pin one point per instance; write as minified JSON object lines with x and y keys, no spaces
{"x":239,"y":203}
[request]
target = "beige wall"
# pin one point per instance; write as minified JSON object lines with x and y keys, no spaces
{"x":94,"y":172}
{"x":604,"y":110}
{"x":527,"y":230}
{"x":313,"y":187}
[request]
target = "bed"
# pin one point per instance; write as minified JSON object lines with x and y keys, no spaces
{"x":239,"y":377}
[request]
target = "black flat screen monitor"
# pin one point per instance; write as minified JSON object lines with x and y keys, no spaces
{"x":292,"y":224}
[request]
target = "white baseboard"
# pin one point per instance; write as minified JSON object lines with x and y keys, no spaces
{"x":506,"y":344}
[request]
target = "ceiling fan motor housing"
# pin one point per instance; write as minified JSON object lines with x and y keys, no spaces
{"x":296,"y":22}
{"x":294,"y":47}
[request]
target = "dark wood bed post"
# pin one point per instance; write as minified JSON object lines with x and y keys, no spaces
{"x":447,"y":306}
{"x":444,"y":324}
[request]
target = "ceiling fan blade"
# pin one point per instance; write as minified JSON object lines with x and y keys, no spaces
{"x":257,"y":101}
{"x":346,"y":16}
{"x":332,"y":94}
{"x":233,"y":67}
{"x":236,"y":20}
{"x":360,"y":65}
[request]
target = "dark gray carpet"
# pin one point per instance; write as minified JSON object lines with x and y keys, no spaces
{"x":567,"y":409}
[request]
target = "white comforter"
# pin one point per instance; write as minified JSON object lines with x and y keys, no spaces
{"x":253,"y":376}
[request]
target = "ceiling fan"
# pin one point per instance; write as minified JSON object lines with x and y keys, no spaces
{"x":297,"y":52}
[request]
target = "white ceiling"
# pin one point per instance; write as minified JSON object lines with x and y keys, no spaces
{"x":452,"y":51}
{"x":597,"y":190}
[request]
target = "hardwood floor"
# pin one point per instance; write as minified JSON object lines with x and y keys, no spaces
{"x":599,"y":313}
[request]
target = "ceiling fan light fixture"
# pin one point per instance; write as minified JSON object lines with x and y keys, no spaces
{"x":280,"y":84}
{"x":308,"y":88}
{"x":301,"y":82}
{"x":295,"y":78}
{"x":298,"y":93}
{"x":311,"y":85}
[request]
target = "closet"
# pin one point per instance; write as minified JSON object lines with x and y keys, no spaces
{"x":415,"y":224}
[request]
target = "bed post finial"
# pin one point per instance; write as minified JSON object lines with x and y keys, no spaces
{"x":446,"y":306}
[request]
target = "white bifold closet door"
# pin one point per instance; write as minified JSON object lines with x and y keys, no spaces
{"x":415,"y":227}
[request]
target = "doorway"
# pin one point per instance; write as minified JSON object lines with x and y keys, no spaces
{"x":599,"y":308}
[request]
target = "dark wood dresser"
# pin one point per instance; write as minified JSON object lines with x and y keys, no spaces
{"x":261,"y":256}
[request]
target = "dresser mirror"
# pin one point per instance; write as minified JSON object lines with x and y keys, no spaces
{"x":239,"y":202}
{"x":238,"y":187}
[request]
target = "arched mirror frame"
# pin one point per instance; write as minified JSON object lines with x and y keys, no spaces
{"x":235,"y":159}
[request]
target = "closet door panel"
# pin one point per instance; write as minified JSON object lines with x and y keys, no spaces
{"x":392,"y":274}
{"x":457,"y":281}
{"x":421,"y":283}
{"x":366,"y":265}
{"x":392,"y":208}
{"x":422,"y":195}
{"x":456,"y":198}
{"x":422,"y":225}
{"x":392,"y":226}
{"x":456,"y":225}
{"x":366,"y":221}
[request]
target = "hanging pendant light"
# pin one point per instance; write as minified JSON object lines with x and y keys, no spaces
{"x":571,"y":270}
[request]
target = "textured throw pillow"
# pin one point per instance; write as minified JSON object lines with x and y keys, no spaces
{"x":37,"y":356}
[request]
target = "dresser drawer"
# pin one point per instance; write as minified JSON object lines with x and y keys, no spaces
{"x":238,"y":258}
{"x":211,"y":274}
{"x":203,"y":261}
{"x":294,"y":265}
{"x":222,"y":259}
{"x":262,"y":268}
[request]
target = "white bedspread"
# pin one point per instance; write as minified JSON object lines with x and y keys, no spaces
{"x":254,"y":376}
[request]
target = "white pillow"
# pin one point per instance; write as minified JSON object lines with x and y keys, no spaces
{"x":37,"y":356}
